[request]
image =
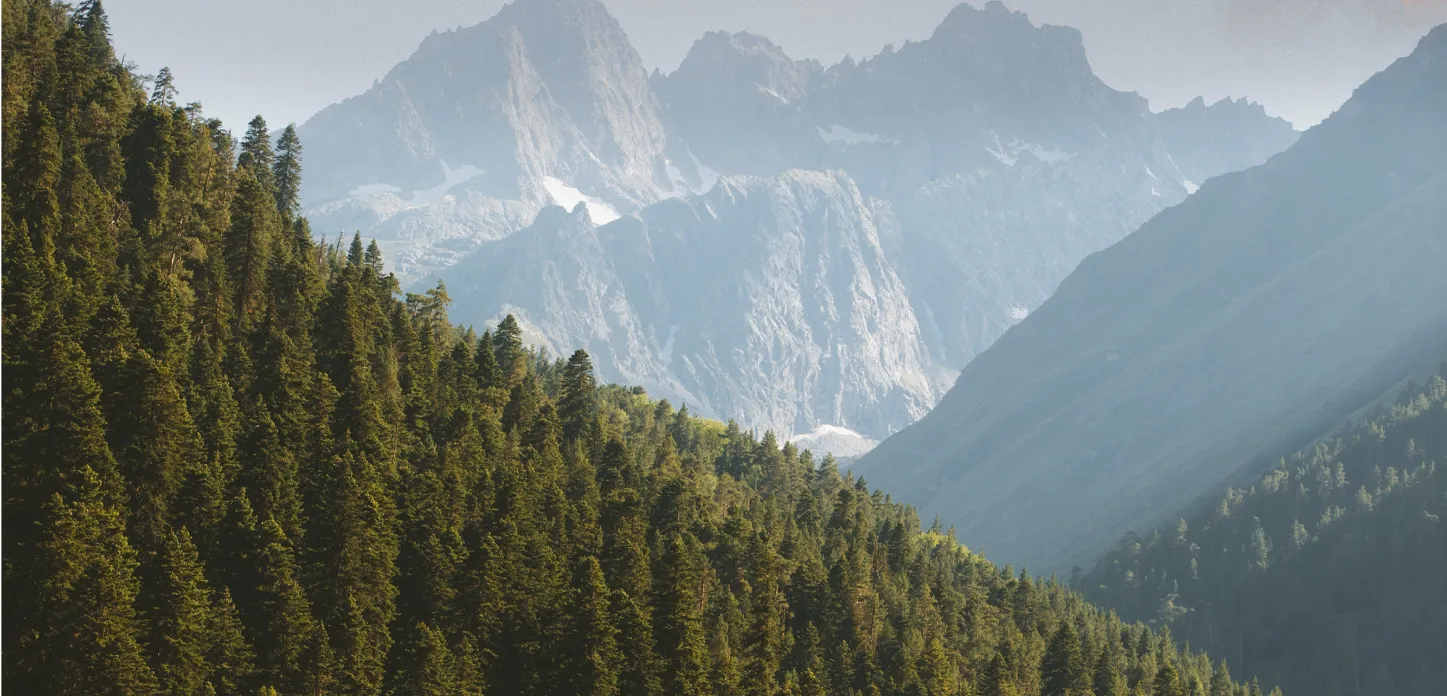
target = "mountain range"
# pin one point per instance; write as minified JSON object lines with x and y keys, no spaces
{"x":806,"y":249}
{"x":1251,"y":318}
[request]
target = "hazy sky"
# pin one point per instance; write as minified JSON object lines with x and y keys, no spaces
{"x":286,"y":59}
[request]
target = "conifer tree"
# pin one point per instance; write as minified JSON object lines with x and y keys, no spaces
{"x":679,"y":635}
{"x":268,"y":471}
{"x":179,"y":618}
{"x":765,"y":640}
{"x":286,"y":172}
{"x":591,"y":656}
{"x":1221,"y":684}
{"x":283,"y":615}
{"x":1168,"y":682}
{"x":642,"y":668}
{"x":939,"y":674}
{"x":1108,"y":680}
{"x":248,"y":246}
{"x":999,"y":681}
{"x":1064,"y":671}
{"x":229,"y":656}
{"x":257,"y":156}
{"x":576,"y":403}
{"x":430,"y":668}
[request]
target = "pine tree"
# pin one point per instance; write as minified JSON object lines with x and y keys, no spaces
{"x":998,"y":679}
{"x":283,"y":615}
{"x":508,"y":346}
{"x":1108,"y":680}
{"x":1168,"y":682}
{"x":257,"y":157}
{"x":591,"y":655}
{"x":360,"y":549}
{"x":430,"y":668}
{"x":939,"y":674}
{"x":179,"y":618}
{"x":576,"y":403}
{"x":1064,"y":671}
{"x":679,"y":635}
{"x":88,"y":642}
{"x":642,"y":668}
{"x":764,"y":642}
{"x":286,"y":172}
{"x":268,"y":471}
{"x":1221,"y":684}
{"x":813,"y":679}
{"x":249,"y":244}
{"x":229,"y":656}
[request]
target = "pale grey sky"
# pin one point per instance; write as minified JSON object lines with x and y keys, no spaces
{"x":286,"y":59}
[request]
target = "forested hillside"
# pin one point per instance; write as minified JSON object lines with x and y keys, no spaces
{"x":236,"y":462}
{"x":1326,"y":576}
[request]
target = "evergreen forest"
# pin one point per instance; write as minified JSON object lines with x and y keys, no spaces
{"x":1326,"y":575}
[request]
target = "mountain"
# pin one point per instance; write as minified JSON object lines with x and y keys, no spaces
{"x":1252,"y":316}
{"x":767,"y":298}
{"x":1324,"y":575}
{"x":544,"y":101}
{"x":741,"y":104}
{"x":984,"y":162}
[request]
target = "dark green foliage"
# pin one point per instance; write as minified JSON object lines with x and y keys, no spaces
{"x":181,"y":623}
{"x":1325,"y":576}
{"x":238,"y":462}
{"x":590,"y":655}
{"x":286,"y":172}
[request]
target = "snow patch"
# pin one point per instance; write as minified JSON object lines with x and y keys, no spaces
{"x":667,"y":352}
{"x":599,"y":212}
{"x":1050,"y":156}
{"x":450,"y":178}
{"x":1004,"y":158}
{"x":1191,"y":186}
{"x":707,"y":176}
{"x":840,"y":134}
{"x":1017,"y":312}
{"x":836,"y":440}
{"x":1151,"y":174}
{"x":1155,"y":193}
{"x":773,"y":94}
{"x":675,"y":178}
{"x":1009,"y":153}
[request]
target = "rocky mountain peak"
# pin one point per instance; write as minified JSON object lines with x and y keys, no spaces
{"x":875,"y":227}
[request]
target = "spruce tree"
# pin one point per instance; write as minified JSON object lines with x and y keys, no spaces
{"x":229,"y":656}
{"x":679,"y":635}
{"x":1108,"y":680}
{"x":1168,"y":682}
{"x":286,"y":172}
{"x":591,"y":657}
{"x":430,"y":668}
{"x":257,"y":156}
{"x":283,"y":615}
{"x":576,"y":403}
{"x":179,"y":618}
{"x":1064,"y":671}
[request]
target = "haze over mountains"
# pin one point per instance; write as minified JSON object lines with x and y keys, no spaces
{"x":791,"y":245}
{"x":1243,"y":322}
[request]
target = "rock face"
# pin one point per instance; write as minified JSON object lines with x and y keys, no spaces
{"x":1168,"y":363}
{"x":479,"y":124}
{"x":769,"y":299}
{"x":825,"y":246}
